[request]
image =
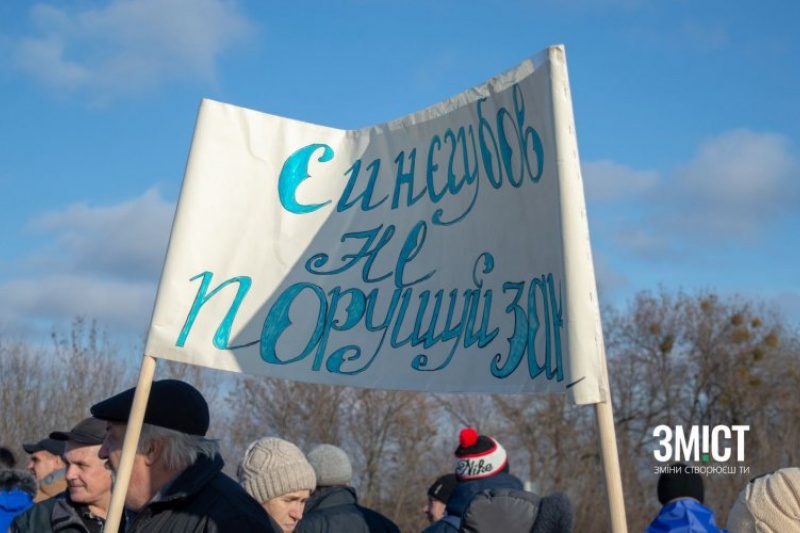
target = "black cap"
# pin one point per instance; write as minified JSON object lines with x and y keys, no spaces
{"x":88,"y":431}
{"x":679,"y":482}
{"x":56,"y":447}
{"x":442,"y":487}
{"x":172,"y":404}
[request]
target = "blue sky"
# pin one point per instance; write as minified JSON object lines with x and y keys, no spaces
{"x":687,"y":115}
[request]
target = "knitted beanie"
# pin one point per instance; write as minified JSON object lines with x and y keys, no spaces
{"x":442,"y":488}
{"x":331,"y":465}
{"x":478,"y":456}
{"x":770,"y":503}
{"x":273,"y":467}
{"x":678,"y":482}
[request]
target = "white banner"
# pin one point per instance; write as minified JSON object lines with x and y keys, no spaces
{"x":445,"y":251}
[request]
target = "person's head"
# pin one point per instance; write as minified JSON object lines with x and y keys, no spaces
{"x":176,"y":420}
{"x":12,"y":479}
{"x":7,"y":459}
{"x":45,"y":457}
{"x":88,"y":479}
{"x":478,"y":456}
{"x":331,"y":466}
{"x":438,"y":493}
{"x":276,"y":473}
{"x":679,"y":482}
{"x":768,"y":503}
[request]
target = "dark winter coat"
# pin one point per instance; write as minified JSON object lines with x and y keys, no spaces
{"x":58,"y":514}
{"x":463,"y":494}
{"x":516,"y":510}
{"x":203,"y":499}
{"x":336,"y":510}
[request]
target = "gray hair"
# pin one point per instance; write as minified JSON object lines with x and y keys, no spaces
{"x":180,"y":449}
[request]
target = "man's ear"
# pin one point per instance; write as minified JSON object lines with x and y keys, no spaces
{"x":154,"y":451}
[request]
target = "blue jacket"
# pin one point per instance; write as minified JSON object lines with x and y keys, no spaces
{"x":686,"y":515}
{"x":12,"y":503}
{"x":464,"y":492}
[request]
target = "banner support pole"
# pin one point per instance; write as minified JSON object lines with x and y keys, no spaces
{"x":129,"y":445}
{"x":611,"y":471}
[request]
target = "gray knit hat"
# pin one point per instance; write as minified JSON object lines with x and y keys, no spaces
{"x":768,"y":503}
{"x":273,"y":467}
{"x":331,"y":465}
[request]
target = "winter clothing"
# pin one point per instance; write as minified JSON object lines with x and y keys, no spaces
{"x":679,"y":482}
{"x":442,"y":488}
{"x":13,"y":503}
{"x":54,"y":483}
{"x":273,"y":467}
{"x":331,"y":465}
{"x":336,"y":509}
{"x":88,"y":431}
{"x":57,"y":514}
{"x":49,"y":445}
{"x":519,"y":511}
{"x":463,"y":494}
{"x":768,"y":503}
{"x":203,"y":499}
{"x":685,"y":515}
{"x":478,"y":456}
{"x":17,"y":489}
{"x":51,"y":485}
{"x":172,"y":404}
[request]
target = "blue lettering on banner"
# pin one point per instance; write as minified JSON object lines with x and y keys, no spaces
{"x":501,"y":150}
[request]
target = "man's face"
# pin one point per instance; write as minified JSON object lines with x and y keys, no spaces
{"x":111,"y":448}
{"x":88,"y":479}
{"x":434,"y":510}
{"x":44,"y":463}
{"x":140,"y":487}
{"x":287,"y":510}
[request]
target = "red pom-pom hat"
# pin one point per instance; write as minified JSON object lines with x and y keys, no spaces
{"x":478,"y":456}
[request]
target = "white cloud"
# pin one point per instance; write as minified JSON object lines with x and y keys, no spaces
{"x":608,"y":181}
{"x":128,"y":46}
{"x":97,"y":262}
{"x":735,"y":186}
{"x":126,"y":241}
{"x":609,"y":281}
{"x":57,"y":299}
{"x":739,"y":185}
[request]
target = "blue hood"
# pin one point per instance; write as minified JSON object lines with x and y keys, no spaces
{"x":684,"y":516}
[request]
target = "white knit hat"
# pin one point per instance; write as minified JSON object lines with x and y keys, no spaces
{"x":768,"y":504}
{"x":331,"y":465}
{"x":273,"y":467}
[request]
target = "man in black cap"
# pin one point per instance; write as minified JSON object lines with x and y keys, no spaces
{"x":177,"y":482}
{"x":47,"y":467}
{"x":82,"y":507}
{"x":438,"y":494}
{"x":680,"y":492}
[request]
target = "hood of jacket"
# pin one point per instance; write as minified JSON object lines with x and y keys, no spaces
{"x":686,"y":514}
{"x":466,"y":490}
{"x":14,"y":501}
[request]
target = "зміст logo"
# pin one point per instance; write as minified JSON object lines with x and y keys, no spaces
{"x":702,"y":443}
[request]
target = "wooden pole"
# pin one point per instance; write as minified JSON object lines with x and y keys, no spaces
{"x":610,"y":458}
{"x":129,"y":445}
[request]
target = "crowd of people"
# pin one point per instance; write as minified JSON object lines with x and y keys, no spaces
{"x":177,"y":484}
